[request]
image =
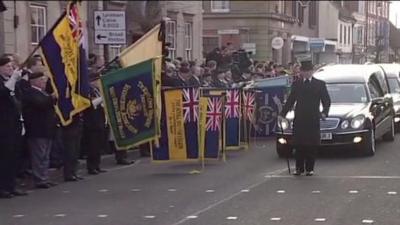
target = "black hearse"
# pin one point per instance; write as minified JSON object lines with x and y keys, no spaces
{"x":361,"y":110}
{"x":392,"y":72}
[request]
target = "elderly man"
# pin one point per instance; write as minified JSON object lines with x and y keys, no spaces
{"x":40,"y":123}
{"x":10,"y":129}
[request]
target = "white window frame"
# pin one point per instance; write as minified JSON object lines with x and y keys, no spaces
{"x":171,"y":37}
{"x":224,"y":6}
{"x":38,"y":26}
{"x":361,"y":7}
{"x":188,"y":40}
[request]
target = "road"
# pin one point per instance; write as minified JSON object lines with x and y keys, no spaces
{"x":251,"y":188}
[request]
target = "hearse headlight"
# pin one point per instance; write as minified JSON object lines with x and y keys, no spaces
{"x":357,"y":121}
{"x":345,"y":124}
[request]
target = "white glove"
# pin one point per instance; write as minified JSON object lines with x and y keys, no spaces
{"x":97,"y":101}
{"x":10,"y":84}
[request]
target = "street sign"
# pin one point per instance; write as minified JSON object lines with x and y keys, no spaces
{"x":316,"y":42}
{"x":110,"y":37}
{"x":109,"y":27}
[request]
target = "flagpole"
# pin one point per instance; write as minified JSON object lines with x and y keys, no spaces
{"x":223,"y":127}
{"x":105,"y":65}
{"x":50,"y":30}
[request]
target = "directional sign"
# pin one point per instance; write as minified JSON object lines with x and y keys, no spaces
{"x":109,"y":27}
{"x":110,"y":37}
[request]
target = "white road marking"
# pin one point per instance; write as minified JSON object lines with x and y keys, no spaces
{"x":368,"y":221}
{"x":60,"y":215}
{"x":316,"y":192}
{"x":320,"y":219}
{"x":172,"y":206}
{"x":268,"y":176}
{"x":275,"y":219}
{"x":149,"y":217}
{"x":135,"y":190}
{"x":281,"y":191}
{"x":103,"y":190}
{"x":66,"y":192}
{"x":210,"y":191}
{"x":392,"y":193}
{"x":245,"y":191}
{"x":171,"y":190}
{"x":231,"y":218}
{"x":18,"y":216}
{"x":338,"y":177}
{"x":191,"y":217}
{"x":353,"y":192}
{"x":102,"y":216}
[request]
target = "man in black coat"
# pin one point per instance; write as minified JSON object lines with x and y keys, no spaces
{"x":40,"y":123}
{"x":10,"y":128}
{"x":307,"y":93}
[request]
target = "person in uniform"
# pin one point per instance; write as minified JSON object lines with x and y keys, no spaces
{"x":307,"y":93}
{"x":10,"y":129}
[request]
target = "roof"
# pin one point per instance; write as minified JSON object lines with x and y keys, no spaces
{"x":349,"y":73}
{"x":391,"y":70}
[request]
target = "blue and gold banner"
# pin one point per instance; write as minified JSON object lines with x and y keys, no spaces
{"x":179,"y":126}
{"x":232,"y":118}
{"x":129,"y":99}
{"x":213,"y":127}
{"x":65,"y":59}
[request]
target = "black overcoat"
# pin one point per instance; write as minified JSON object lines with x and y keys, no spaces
{"x":306,"y":98}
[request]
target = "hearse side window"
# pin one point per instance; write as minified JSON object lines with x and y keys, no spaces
{"x":382,"y":81}
{"x":374,"y":87}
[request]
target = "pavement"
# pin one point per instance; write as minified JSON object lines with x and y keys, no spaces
{"x":252,"y":187}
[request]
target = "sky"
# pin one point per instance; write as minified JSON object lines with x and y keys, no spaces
{"x":395,"y":9}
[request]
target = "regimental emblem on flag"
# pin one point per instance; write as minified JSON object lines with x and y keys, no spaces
{"x":249,"y":104}
{"x":191,"y":104}
{"x":75,"y":22}
{"x":214,"y":114}
{"x":232,"y":104}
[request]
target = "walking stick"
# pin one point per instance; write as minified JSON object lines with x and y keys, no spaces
{"x":287,"y":156}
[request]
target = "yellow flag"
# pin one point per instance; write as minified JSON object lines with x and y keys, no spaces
{"x":175,"y":125}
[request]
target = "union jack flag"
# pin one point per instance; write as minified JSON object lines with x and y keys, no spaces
{"x":214,"y":114}
{"x":191,"y":104}
{"x":232,"y":104}
{"x":75,"y":22}
{"x":249,"y":104}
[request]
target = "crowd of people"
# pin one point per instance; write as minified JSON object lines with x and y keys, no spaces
{"x":224,"y":67}
{"x":32,"y":138}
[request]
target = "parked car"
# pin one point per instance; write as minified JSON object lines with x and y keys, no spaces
{"x":361,"y":110}
{"x":392,"y":72}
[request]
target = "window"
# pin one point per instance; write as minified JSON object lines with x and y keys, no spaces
{"x":361,"y":7}
{"x":219,"y":6}
{"x":188,"y":41}
{"x":38,"y":23}
{"x":114,"y":51}
{"x":340,"y":34}
{"x":382,"y":82}
{"x":298,"y":11}
{"x":344,"y":36}
{"x":171,"y":38}
{"x":359,"y":33}
{"x":349,"y":34}
{"x":312,"y":12}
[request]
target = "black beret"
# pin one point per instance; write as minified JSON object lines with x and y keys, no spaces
{"x":4,"y":60}
{"x":306,"y":65}
{"x":35,"y":75}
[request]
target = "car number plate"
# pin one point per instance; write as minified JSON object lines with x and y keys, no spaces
{"x":326,"y":136}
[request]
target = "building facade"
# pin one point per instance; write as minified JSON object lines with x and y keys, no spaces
{"x":24,"y":24}
{"x":271,"y":30}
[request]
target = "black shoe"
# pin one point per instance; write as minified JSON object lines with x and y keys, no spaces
{"x":93,"y":172}
{"x":309,"y":173}
{"x":69,"y":179}
{"x":125,"y":162}
{"x":43,"y":186}
{"x":17,"y":192}
{"x":101,"y":170}
{"x":51,"y":184}
{"x":298,"y":172}
{"x":6,"y":194}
